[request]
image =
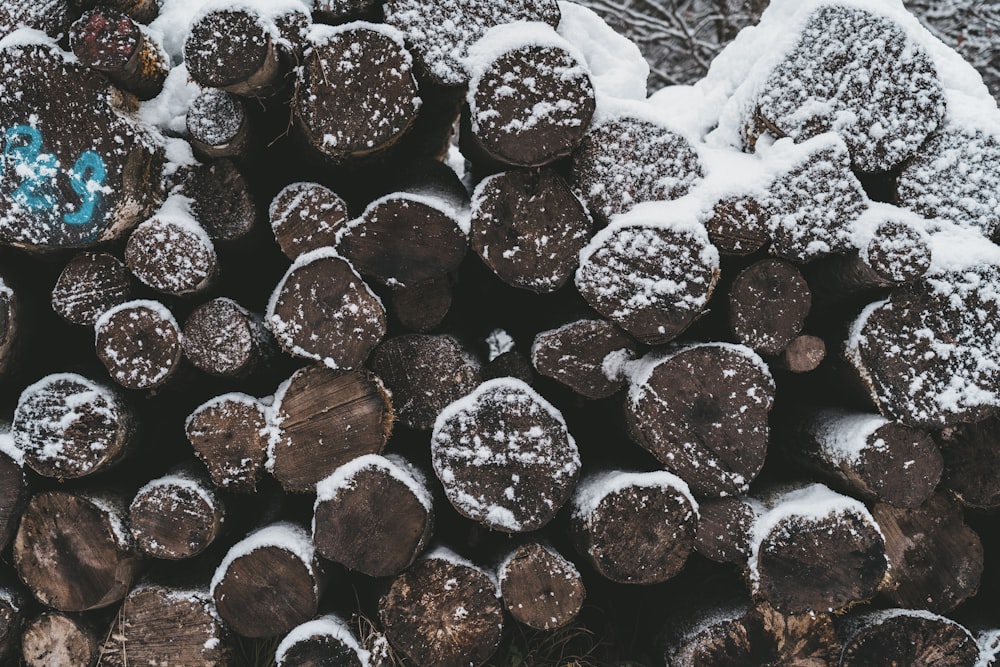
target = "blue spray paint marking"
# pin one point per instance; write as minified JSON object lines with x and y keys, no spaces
{"x":89,"y":168}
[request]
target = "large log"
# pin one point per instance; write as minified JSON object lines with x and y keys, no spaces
{"x":909,"y":637}
{"x":323,"y":641}
{"x":229,"y":433}
{"x":171,"y":252}
{"x":139,"y":342}
{"x":176,"y":516}
{"x":55,"y":639}
{"x":539,"y":587}
{"x":768,"y":305}
{"x":223,"y":338}
{"x":90,"y":284}
{"x":588,"y":356}
{"x":306,"y":217}
{"x":111,"y":42}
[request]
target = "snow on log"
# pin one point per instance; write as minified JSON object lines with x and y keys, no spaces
{"x":111,"y":42}
{"x":326,"y":640}
{"x":588,"y":356}
{"x":139,"y":343}
{"x":539,"y":587}
{"x":909,"y":637}
{"x":143,"y":11}
{"x":171,"y":252}
{"x":738,"y":225}
{"x":176,"y":516}
{"x":53,"y":639}
{"x":725,"y":526}
{"x":229,"y":433}
{"x":222,"y":202}
{"x":306,"y":217}
{"x":218,"y":125}
{"x":90,"y":284}
{"x":223,"y":338}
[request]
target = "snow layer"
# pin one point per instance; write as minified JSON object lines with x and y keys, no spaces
{"x":595,"y":488}
{"x":325,"y":626}
{"x":342,"y":478}
{"x":617,"y":67}
{"x":281,"y":535}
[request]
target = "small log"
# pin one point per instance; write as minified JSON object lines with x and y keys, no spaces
{"x":768,"y":305}
{"x":588,"y":356}
{"x":626,"y":159}
{"x":90,"y":284}
{"x":14,"y":492}
{"x":218,"y":125}
{"x":172,"y":253}
{"x":634,"y":528}
{"x":69,"y":426}
{"x":423,"y":375}
{"x":529,"y":228}
{"x":305,"y":217}
{"x":909,"y":637}
{"x":53,"y":17}
{"x":418,"y":232}
{"x":540,"y":115}
{"x":139,"y":342}
{"x":356,"y":95}
{"x":539,"y":587}
{"x":269,"y":582}
{"x":79,"y":170}
{"x":323,"y":419}
{"x":738,"y":226}
{"x":814,"y":550}
{"x":725,"y":526}
{"x":421,"y":307}
{"x":814,"y":88}
{"x":804,"y":354}
{"x":11,"y":619}
{"x":972,"y":462}
{"x":223,"y":338}
{"x":222,"y":201}
{"x":176,"y":516}
{"x":158,"y":625}
{"x":504,"y":456}
{"x":110,"y":41}
{"x":356,"y":500}
{"x":935,"y":559}
{"x":443,"y":611}
{"x":702,"y":411}
{"x":323,"y":310}
{"x":651,"y":273}
{"x":9,"y":327}
{"x":143,"y":11}
{"x":323,"y":641}
{"x":74,"y":552}
{"x":55,"y":639}
{"x":229,"y":433}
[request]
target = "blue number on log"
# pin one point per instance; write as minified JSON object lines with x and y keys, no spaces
{"x":86,"y":178}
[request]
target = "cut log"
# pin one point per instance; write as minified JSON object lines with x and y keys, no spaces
{"x":634,"y":528}
{"x":53,"y":17}
{"x":725,"y":526}
{"x":111,"y":42}
{"x":738,"y":226}
{"x":538,"y":116}
{"x":223,"y":338}
{"x":441,"y":31}
{"x":176,"y":516}
{"x":814,"y":88}
{"x":324,"y":641}
{"x":423,"y":375}
{"x":74,"y":552}
{"x":222,"y":202}
{"x":529,"y":228}
{"x":90,"y":284}
{"x":651,"y":273}
{"x":55,"y":639}
{"x":158,"y":625}
{"x":814,"y":550}
{"x":768,"y":305}
{"x":143,"y":11}
{"x":355,"y":96}
{"x":172,"y":253}
{"x":443,"y":612}
{"x":387,"y":501}
{"x":269,"y":582}
{"x":418,"y":232}
{"x":305,"y":217}
{"x":323,"y":419}
{"x":323,"y":310}
{"x":229,"y":434}
{"x":510,"y":364}
{"x":504,"y":456}
{"x":804,"y":354}
{"x":907,"y":637}
{"x":972,"y":462}
{"x":539,"y":587}
{"x":588,"y":356}
{"x":79,"y":170}
{"x":422,"y":306}
{"x":702,"y":410}
{"x":14,"y":492}
{"x":139,"y":342}
{"x":626,"y":159}
{"x":11,"y":618}
{"x":69,"y":426}
{"x":218,"y":125}
{"x":936,"y":560}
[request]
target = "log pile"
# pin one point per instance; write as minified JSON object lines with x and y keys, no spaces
{"x":378,"y":333}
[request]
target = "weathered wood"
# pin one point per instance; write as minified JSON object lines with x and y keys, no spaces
{"x":443,"y":611}
{"x":53,"y":17}
{"x":172,"y":253}
{"x":339,"y":11}
{"x":323,"y":419}
{"x":907,"y":637}
{"x":139,"y":342}
{"x":814,"y":550}
{"x":702,"y":411}
{"x":804,"y":354}
{"x":221,"y":200}
{"x":143,"y":11}
{"x":725,"y":526}
{"x":634,"y":528}
{"x":176,"y":516}
{"x":90,"y":284}
{"x":651,"y":273}
{"x":768,"y":305}
{"x":79,"y":170}
{"x":529,"y":228}
{"x":9,"y":327}
{"x":11,"y":619}
{"x":422,"y":306}
{"x":323,"y":641}
{"x":69,"y":426}
{"x":588,"y":356}
{"x":423,"y":375}
{"x":504,"y":456}
{"x":539,"y":587}
{"x":55,"y":639}
{"x":223,"y":338}
{"x":935,"y":559}
{"x":356,"y":95}
{"x":305,"y":217}
{"x":109,"y":41}
{"x":972,"y":462}
{"x":387,"y":501}
{"x":14,"y":492}
{"x":218,"y":125}
{"x":323,"y":310}
{"x":229,"y":433}
{"x":269,"y":582}
{"x":74,"y":552}
{"x":738,"y":226}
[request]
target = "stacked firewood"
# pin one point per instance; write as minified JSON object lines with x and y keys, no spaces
{"x":418,"y":317}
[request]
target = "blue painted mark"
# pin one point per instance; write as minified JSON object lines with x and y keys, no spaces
{"x":86,"y":178}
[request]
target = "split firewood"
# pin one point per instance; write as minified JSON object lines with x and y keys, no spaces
{"x":768,"y":305}
{"x":906,"y":637}
{"x":111,"y":42}
{"x":53,"y":639}
{"x":139,"y":342}
{"x":971,"y":462}
{"x":176,"y":516}
{"x":172,"y":253}
{"x":738,"y":226}
{"x":421,"y":307}
{"x":218,"y":125}
{"x":306,"y":217}
{"x":229,"y":433}
{"x":90,"y":284}
{"x":539,"y":587}
{"x":222,"y":201}
{"x":323,"y":641}
{"x":223,"y":338}
{"x":588,"y":356}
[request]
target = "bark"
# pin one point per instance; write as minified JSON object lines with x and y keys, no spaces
{"x":11,"y":619}
{"x":143,"y":11}
{"x":139,"y":342}
{"x":90,"y":284}
{"x":14,"y":491}
{"x":9,"y":327}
